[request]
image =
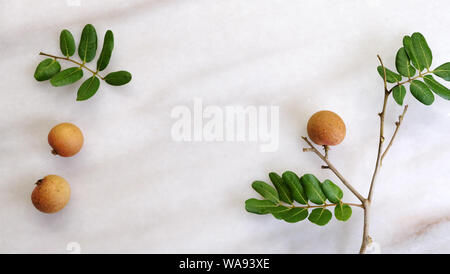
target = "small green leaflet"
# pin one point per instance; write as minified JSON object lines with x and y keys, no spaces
{"x":410,"y":50}
{"x":312,"y":188}
{"x":437,"y":87}
{"x":280,"y":211}
{"x":283,"y":190}
{"x":320,"y":216}
{"x":88,"y":88}
{"x":403,"y":64}
{"x":259,"y":206}
{"x":67,"y":76}
{"x":88,"y":44}
{"x":296,"y":215}
{"x":333,"y":193}
{"x":421,"y":92}
{"x":267,"y":191}
{"x":47,"y":69}
{"x":67,"y":43}
{"x":399,"y":92}
{"x":342,"y":212}
{"x":391,"y":77}
{"x":443,"y":71}
{"x":118,"y":78}
{"x":422,"y":50}
{"x":105,"y":55}
{"x":293,"y":182}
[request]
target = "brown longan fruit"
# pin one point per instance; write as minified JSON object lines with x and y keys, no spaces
{"x":51,"y":194}
{"x":326,"y":128}
{"x":66,"y":139}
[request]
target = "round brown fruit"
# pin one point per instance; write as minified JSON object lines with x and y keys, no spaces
{"x":66,"y":139}
{"x":326,"y":128}
{"x":51,"y":194}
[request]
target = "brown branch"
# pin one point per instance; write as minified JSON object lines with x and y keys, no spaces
{"x":73,"y":61}
{"x":397,"y":124}
{"x":335,"y":171}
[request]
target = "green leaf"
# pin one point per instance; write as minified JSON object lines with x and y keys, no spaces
{"x":342,"y":212}
{"x":66,"y":43}
{"x":320,"y":216}
{"x":399,"y":92}
{"x":280,"y":211}
{"x":105,"y":55}
{"x":283,"y":190}
{"x":67,"y":76}
{"x":88,"y":44}
{"x":443,"y":71}
{"x":312,"y":188}
{"x":293,"y":182}
{"x":47,"y":69}
{"x":296,"y":214}
{"x":88,"y":88}
{"x":333,"y":193}
{"x":421,"y":92}
{"x":118,"y":78}
{"x":403,"y":64}
{"x":410,"y":50}
{"x":267,"y":191}
{"x":259,"y":206}
{"x":391,"y":77}
{"x":437,"y":87}
{"x":423,"y":52}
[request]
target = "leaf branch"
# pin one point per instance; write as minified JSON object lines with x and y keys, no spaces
{"x":324,"y":205}
{"x":95,"y":73}
{"x":335,"y":171}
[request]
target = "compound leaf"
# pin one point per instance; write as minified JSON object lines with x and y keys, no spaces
{"x":320,"y":216}
{"x":421,"y":92}
{"x":47,"y":69}
{"x":267,"y":191}
{"x":293,"y":182}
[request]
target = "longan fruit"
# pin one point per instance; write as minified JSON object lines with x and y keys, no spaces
{"x":66,"y":139}
{"x":51,"y":194}
{"x":326,"y":128}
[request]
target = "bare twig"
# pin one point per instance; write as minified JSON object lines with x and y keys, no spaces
{"x":335,"y":171}
{"x":397,"y":124}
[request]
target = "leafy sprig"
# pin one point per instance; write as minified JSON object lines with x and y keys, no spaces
{"x":279,"y":200}
{"x":50,"y":68}
{"x":413,"y":62}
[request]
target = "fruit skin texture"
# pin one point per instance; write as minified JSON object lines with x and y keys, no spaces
{"x":51,"y":194}
{"x":66,"y":139}
{"x":326,"y":128}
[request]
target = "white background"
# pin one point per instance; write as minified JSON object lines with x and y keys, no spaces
{"x":136,"y":190}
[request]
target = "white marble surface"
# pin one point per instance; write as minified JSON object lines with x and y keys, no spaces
{"x":136,"y":190}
